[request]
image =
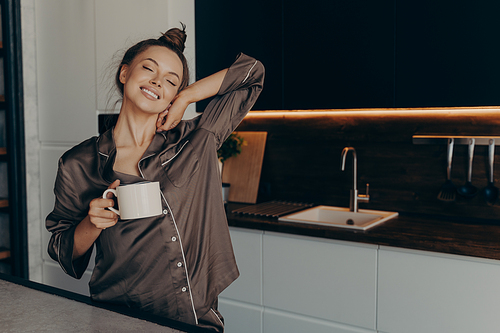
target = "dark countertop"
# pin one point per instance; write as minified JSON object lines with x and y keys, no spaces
{"x":419,"y":232}
{"x":32,"y":307}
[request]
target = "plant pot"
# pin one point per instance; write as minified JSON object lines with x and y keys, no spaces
{"x":225,"y":192}
{"x":220,"y":167}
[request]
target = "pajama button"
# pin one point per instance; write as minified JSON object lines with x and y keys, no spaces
{"x":184,"y":289}
{"x":179,"y":264}
{"x":165,"y":212}
{"x":174,"y":239}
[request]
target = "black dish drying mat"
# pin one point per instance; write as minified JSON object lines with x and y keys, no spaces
{"x":272,"y":208}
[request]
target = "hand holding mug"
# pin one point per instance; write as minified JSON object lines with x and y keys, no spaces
{"x":99,"y":216}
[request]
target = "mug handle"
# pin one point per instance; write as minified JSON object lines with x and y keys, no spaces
{"x":104,"y":196}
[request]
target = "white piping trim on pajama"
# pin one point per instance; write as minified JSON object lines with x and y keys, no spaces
{"x":248,"y":74}
{"x":139,"y":163}
{"x":183,"y":258}
{"x":215,"y":313}
{"x":59,"y":254}
{"x":175,"y":154}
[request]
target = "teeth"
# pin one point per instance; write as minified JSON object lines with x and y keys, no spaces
{"x":150,"y":93}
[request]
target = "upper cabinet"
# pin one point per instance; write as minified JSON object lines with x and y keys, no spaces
{"x":337,"y":54}
{"x":447,"y":53}
{"x":224,"y":28}
{"x":66,"y":70}
{"x":358,"y":53}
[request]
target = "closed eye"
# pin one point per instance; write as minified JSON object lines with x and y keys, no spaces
{"x":172,"y":83}
{"x":149,"y":69}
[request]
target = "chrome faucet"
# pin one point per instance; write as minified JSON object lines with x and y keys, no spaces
{"x":355,"y":197}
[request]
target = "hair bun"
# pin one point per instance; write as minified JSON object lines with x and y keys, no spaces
{"x":175,"y":37}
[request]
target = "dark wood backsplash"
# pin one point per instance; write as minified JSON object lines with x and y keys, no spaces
{"x":302,"y":157}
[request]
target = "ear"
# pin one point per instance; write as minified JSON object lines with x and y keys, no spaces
{"x":123,"y":74}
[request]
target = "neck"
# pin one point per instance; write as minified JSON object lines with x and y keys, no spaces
{"x":134,"y":129}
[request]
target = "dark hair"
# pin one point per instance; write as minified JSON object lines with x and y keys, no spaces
{"x":174,"y":39}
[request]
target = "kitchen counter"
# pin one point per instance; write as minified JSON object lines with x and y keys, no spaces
{"x":31,"y":307}
{"x":419,"y":232}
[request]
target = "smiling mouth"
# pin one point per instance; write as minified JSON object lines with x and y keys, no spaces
{"x":150,"y":93}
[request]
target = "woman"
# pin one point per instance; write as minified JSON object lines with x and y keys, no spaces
{"x":176,"y":264}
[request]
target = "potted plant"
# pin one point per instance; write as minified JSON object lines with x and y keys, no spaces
{"x":230,"y":148}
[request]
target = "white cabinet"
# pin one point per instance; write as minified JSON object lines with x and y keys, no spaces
{"x":320,"y":278}
{"x":247,"y":246}
{"x":241,"y":303}
{"x":66,"y":71}
{"x":304,"y":284}
{"x":434,"y":293}
{"x":297,"y":284}
{"x":240,"y":317}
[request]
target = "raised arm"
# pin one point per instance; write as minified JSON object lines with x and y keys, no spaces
{"x":235,"y":89}
{"x":198,"y":91}
{"x":238,"y":93}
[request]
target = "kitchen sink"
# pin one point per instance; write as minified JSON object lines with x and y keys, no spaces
{"x":341,"y":217}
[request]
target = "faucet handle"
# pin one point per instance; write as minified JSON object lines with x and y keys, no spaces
{"x":365,"y":197}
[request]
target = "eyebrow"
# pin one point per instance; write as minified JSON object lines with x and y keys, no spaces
{"x":156,"y":63}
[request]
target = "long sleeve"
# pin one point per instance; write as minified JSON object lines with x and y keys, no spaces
{"x":238,"y":93}
{"x":71,"y":206}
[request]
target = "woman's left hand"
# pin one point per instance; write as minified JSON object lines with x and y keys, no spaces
{"x":171,"y":117}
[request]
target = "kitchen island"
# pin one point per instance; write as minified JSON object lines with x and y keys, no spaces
{"x":31,"y":307}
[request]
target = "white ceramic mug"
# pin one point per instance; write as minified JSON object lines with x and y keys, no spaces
{"x":137,"y":200}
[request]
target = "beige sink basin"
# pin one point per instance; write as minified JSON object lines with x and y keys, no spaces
{"x":340,"y":217}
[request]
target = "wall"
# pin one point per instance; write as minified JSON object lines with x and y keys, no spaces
{"x":68,"y":53}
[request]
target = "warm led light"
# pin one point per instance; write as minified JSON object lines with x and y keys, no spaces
{"x":427,"y":112}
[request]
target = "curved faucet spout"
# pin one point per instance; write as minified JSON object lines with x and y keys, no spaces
{"x":354,"y":197}
{"x":355,"y":164}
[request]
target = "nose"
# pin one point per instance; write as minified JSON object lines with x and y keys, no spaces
{"x":155,"y":82}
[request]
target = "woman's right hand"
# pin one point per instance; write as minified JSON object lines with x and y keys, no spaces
{"x":172,"y":116}
{"x":99,"y":215}
{"x":98,"y":219}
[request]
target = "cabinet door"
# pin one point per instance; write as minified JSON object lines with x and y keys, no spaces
{"x":315,"y":277}
{"x":447,"y":53}
{"x":66,"y":71}
{"x":338,"y":54}
{"x":422,"y":292}
{"x":241,"y":303}
{"x":247,"y":245}
{"x":279,"y":321}
{"x":226,"y":27}
{"x":240,"y":317}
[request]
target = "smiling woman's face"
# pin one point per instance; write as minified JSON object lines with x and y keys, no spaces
{"x":152,"y":80}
